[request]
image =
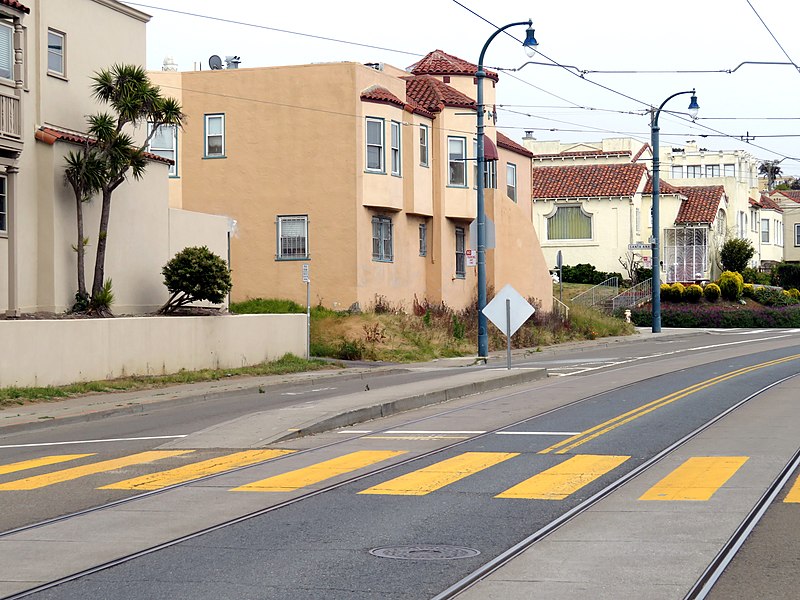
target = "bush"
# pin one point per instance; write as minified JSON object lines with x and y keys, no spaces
{"x":787,"y":275}
{"x":706,"y":315}
{"x":676,"y":291}
{"x":665,"y":292}
{"x":642,"y":274}
{"x":751,"y":275}
{"x":735,"y":254}
{"x":195,"y":274}
{"x":259,"y":306}
{"x":711,"y":292}
{"x":748,"y":290}
{"x":693,"y":293}
{"x":100,"y":303}
{"x":586,"y":273}
{"x":794,"y":293}
{"x":730,"y":285}
{"x":772,"y":296}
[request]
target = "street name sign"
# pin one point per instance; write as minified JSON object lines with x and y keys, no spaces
{"x":639,"y":246}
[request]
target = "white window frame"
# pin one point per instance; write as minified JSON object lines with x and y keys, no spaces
{"x":753,"y":220}
{"x":511,"y":181}
{"x":765,"y":231}
{"x":569,"y":239}
{"x":208,"y":118}
{"x":694,"y":171}
{"x":62,"y":55}
{"x":729,"y":170}
{"x":461,"y":159}
{"x":382,"y":239}
{"x":394,"y":145}
{"x":373,"y":124}
{"x":797,"y":235}
{"x":677,"y":172}
{"x":170,"y":153}
{"x":3,"y":205}
{"x":423,"y":146}
{"x":712,"y":171}
{"x":283,"y":251}
{"x":423,"y":239}
{"x":778,"y":232}
{"x":7,"y":70}
{"x":461,"y":254}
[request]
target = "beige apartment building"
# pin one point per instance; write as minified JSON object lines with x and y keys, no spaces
{"x":789,"y":202}
{"x":49,"y":49}
{"x":365,"y":173}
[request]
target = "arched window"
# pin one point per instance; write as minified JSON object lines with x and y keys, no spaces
{"x":569,"y":223}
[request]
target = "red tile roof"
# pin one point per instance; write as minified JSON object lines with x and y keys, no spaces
{"x":509,"y":144}
{"x":587,"y":181}
{"x":584,"y":153}
{"x":769,"y":204}
{"x":433,"y":95}
{"x":50,"y":136}
{"x":15,"y":4}
{"x":701,"y":204}
{"x":381,"y":95}
{"x":442,"y":63}
{"x":663,"y":187}
{"x":790,"y":194}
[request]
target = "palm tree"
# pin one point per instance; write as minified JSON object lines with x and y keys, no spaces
{"x":134,"y":101}
{"x":84,"y":174}
{"x":772,"y":170}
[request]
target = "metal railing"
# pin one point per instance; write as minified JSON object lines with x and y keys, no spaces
{"x":561,"y":309}
{"x":633,"y":296}
{"x":599,"y":293}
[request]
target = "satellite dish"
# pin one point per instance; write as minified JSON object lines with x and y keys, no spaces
{"x":215,"y":62}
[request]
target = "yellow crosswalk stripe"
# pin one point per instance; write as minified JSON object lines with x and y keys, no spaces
{"x":794,"y":493}
{"x":40,"y":481}
{"x":39,"y":462}
{"x":558,"y":482}
{"x":155,"y":481}
{"x":696,"y":479}
{"x":434,"y":477}
{"x":299,"y":478}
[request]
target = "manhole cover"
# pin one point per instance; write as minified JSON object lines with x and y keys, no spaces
{"x":424,"y":552}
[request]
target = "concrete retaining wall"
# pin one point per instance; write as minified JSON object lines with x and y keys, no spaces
{"x":57,"y":352}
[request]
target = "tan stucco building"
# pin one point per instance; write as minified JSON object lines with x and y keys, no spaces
{"x":54,"y":48}
{"x":363,"y":172}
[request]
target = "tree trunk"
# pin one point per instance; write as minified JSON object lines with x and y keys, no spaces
{"x":80,"y":248}
{"x":102,"y":236}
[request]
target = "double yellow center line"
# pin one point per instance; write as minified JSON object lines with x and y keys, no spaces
{"x":573,"y":442}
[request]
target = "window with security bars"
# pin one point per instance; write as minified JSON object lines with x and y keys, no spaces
{"x":6,"y":51}
{"x":685,"y":254}
{"x":292,"y":237}
{"x":569,"y":223}
{"x":382,"y":243}
{"x":3,"y":206}
{"x":461,"y":264}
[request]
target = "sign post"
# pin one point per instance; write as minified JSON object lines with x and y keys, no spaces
{"x":559,"y":264}
{"x":307,"y":281}
{"x":508,"y":310}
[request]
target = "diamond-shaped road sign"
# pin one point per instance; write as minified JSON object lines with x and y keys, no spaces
{"x":521,"y":310}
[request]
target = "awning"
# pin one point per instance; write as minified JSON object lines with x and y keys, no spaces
{"x":489,"y":149}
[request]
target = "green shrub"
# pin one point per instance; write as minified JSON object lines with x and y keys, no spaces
{"x":258,"y":306}
{"x":751,"y":275}
{"x":586,"y":273}
{"x":748,"y":290}
{"x":350,"y":350}
{"x":711,"y":292}
{"x":794,"y":293}
{"x":665,"y":292}
{"x":693,"y":293}
{"x":787,"y":275}
{"x":730,"y":285}
{"x":772,"y":296}
{"x":735,"y":254}
{"x":676,"y":292}
{"x":195,"y":274}
{"x":100,"y":303}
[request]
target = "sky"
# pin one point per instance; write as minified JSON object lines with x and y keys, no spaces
{"x":691,"y":43}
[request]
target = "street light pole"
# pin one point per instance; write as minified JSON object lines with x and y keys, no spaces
{"x":530,"y":43}
{"x":654,"y":140}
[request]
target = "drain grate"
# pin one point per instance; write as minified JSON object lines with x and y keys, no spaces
{"x":425,"y":552}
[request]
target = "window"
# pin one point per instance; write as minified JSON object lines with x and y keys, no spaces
{"x":638,"y":220}
{"x":457,"y":157}
{"x":712,"y":170}
{"x":694,"y":171}
{"x":765,"y":231}
{"x":423,"y":145}
{"x":685,"y":255}
{"x":423,"y":239}
{"x":382,"y":239}
{"x":55,"y":52}
{"x":461,"y":264}
{"x":778,"y":232}
{"x":6,"y":51}
{"x":215,"y":136}
{"x":796,"y":231}
{"x":292,"y":237}
{"x":395,"y":147}
{"x":375,"y":145}
{"x":729,"y":170}
{"x":165,"y":143}
{"x":489,"y":170}
{"x":511,"y":181}
{"x":3,"y":206}
{"x":741,"y":224}
{"x":677,"y":171}
{"x":569,"y":223}
{"x":722,"y":225}
{"x":753,"y":221}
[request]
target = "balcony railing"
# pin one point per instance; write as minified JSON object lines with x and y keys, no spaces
{"x":10,"y":120}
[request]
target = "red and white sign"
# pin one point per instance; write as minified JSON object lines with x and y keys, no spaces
{"x":472,"y":257}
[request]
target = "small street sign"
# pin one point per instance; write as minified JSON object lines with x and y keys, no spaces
{"x":472,"y":257}
{"x":639,"y":246}
{"x":306,"y":278}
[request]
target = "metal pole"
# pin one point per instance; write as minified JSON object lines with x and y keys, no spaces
{"x":654,"y":138}
{"x":483,"y":334}
{"x":308,"y":319}
{"x":508,"y":333}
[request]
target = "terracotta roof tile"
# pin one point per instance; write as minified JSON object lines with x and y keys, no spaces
{"x":15,"y":4}
{"x":509,"y":144}
{"x":587,"y":181}
{"x":584,"y":153}
{"x":50,"y":136}
{"x":433,"y":95}
{"x":790,"y":194}
{"x":701,"y":204}
{"x":439,"y":62}
{"x":381,"y":95}
{"x":663,"y":187}
{"x":769,"y":204}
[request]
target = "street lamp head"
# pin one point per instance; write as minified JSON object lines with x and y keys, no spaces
{"x":530,"y":42}
{"x":694,"y":107}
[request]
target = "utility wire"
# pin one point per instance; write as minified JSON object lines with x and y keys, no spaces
{"x":786,"y":54}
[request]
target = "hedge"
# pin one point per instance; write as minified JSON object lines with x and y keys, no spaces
{"x":705,"y":315}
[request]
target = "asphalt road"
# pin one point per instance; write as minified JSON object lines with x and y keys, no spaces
{"x":451,"y":495}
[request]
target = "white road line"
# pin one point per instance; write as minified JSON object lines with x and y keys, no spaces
{"x":420,"y":432}
{"x":537,"y":432}
{"x":154,"y":437}
{"x":355,"y":431}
